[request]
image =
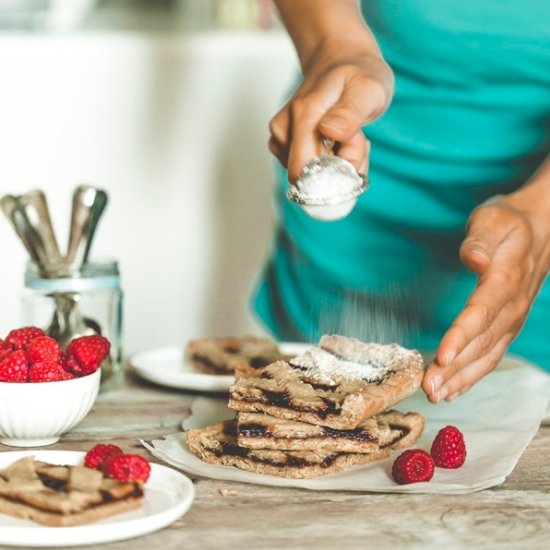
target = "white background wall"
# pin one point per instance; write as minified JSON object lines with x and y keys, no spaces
{"x":175,"y":128}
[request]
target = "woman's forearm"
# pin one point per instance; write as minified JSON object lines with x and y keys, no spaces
{"x":327,"y":25}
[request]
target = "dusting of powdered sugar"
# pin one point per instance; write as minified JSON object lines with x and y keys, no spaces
{"x":377,"y":361}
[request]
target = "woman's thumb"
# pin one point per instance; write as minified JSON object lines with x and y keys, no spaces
{"x":478,"y":248}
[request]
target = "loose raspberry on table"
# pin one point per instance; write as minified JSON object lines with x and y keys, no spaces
{"x":43,"y":349}
{"x":127,"y":467}
{"x":85,"y":354}
{"x":46,"y":371}
{"x":15,"y":367}
{"x":413,"y":466}
{"x":20,"y":338}
{"x":448,"y":449}
{"x":97,"y":455}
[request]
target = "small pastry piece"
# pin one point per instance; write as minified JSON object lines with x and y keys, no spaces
{"x":223,"y":355}
{"x":388,"y":429}
{"x":62,"y":496}
{"x":338,"y":384}
{"x":217,"y":444}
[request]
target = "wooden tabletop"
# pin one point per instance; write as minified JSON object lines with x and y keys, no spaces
{"x":229,"y":515}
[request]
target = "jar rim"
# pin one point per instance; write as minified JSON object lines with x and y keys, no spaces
{"x":92,"y":275}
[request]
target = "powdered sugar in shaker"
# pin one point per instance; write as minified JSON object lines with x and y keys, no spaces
{"x":328,"y":187}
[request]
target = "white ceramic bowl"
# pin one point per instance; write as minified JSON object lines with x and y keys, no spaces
{"x":36,"y":414}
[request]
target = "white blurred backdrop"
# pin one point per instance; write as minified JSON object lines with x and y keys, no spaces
{"x":174,"y":127}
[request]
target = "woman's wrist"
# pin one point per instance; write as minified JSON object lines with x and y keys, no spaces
{"x":533,"y":198}
{"x":533,"y":202}
{"x":335,"y":30}
{"x":333,"y":49}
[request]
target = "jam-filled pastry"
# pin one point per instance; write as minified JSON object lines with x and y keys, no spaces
{"x":63,"y":496}
{"x":222,"y":355}
{"x":337,"y":384}
{"x":390,"y":429}
{"x":217,"y":444}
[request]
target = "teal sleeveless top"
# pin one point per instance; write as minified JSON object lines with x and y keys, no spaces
{"x":470,"y":119}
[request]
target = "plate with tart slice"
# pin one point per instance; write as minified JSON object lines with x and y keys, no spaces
{"x":208,"y":364}
{"x":85,"y":513}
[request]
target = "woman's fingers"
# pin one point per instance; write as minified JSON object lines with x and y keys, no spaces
{"x":466,"y":377}
{"x":305,"y":142}
{"x":362,"y":100}
{"x":437,"y":378}
{"x":356,"y":150}
{"x":278,"y":150}
{"x":279,"y":127}
{"x":478,"y":316}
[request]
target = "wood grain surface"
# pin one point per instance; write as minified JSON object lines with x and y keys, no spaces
{"x":230,"y":515}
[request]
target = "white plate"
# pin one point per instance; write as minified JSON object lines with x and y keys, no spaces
{"x":168,"y":495}
{"x":168,"y":367}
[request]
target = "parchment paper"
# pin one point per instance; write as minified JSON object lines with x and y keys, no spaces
{"x":498,"y":418}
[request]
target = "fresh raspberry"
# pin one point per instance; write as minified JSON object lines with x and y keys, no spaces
{"x":85,"y":354}
{"x":20,"y":338}
{"x":15,"y":367}
{"x":46,"y":371}
{"x":4,"y":353}
{"x":44,"y":349}
{"x":413,"y":466}
{"x":127,"y":468}
{"x":67,"y":375}
{"x":448,"y":448}
{"x":97,"y":455}
{"x":70,"y":365}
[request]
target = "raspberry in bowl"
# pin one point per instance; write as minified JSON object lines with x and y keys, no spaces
{"x":45,"y":392}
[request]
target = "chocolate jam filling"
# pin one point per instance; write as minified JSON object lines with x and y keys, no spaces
{"x":259,"y":430}
{"x":258,"y":362}
{"x":291,"y":460}
{"x":137,"y":492}
{"x":58,"y":485}
{"x":231,"y":449}
{"x":281,"y":399}
{"x":357,"y":434}
{"x":232,"y":349}
{"x":296,"y":462}
{"x":324,"y":387}
{"x":403,"y":432}
{"x":329,"y":460}
{"x":208,"y":363}
{"x":297,"y":367}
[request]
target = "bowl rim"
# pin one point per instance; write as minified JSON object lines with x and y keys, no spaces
{"x":83,"y":380}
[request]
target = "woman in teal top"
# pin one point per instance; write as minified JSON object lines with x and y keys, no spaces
{"x":449,"y":247}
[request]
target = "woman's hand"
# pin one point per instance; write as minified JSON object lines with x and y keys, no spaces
{"x":340,"y":93}
{"x":508,"y":245}
{"x":346,"y":84}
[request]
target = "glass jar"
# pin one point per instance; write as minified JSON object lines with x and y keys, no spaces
{"x":87,"y":302}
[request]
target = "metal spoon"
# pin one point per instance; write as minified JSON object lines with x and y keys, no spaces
{"x":87,"y":209}
{"x":31,"y":239}
{"x":35,"y":207}
{"x":88,"y":206}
